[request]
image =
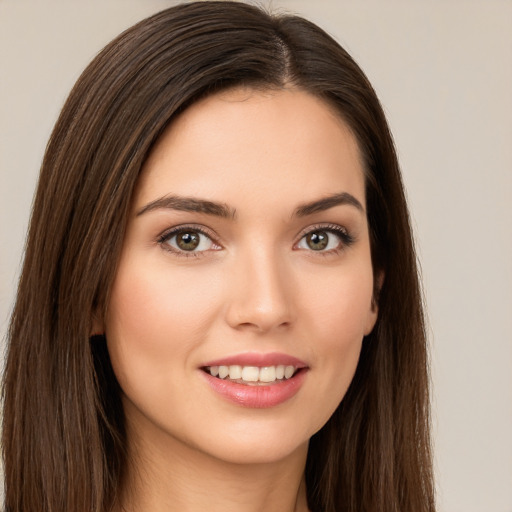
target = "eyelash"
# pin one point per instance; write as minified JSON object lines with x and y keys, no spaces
{"x":346,"y":239}
{"x":342,"y":233}
{"x":164,"y":238}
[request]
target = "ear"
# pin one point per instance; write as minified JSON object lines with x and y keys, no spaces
{"x":374,"y":308}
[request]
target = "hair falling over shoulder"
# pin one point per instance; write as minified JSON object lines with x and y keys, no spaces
{"x":63,"y":425}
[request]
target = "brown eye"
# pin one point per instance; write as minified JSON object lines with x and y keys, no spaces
{"x":188,"y":240}
{"x":326,"y":239}
{"x":317,"y":240}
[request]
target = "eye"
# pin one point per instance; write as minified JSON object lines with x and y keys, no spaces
{"x":325,"y":239}
{"x":189,"y":240}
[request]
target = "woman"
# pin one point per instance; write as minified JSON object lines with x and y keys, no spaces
{"x":219,"y":306}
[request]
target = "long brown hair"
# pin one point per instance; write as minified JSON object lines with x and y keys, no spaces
{"x":63,"y":424}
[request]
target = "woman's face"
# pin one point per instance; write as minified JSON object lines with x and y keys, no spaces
{"x":247,"y":254}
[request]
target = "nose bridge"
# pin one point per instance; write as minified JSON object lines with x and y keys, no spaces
{"x":260,"y":296}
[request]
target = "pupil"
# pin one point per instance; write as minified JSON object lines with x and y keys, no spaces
{"x":317,"y":240}
{"x":188,"y":241}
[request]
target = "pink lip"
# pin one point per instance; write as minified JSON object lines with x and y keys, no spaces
{"x":256,"y":359}
{"x":259,"y":396}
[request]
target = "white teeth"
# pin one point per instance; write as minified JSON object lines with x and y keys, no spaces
{"x":235,"y":372}
{"x":288,"y":372}
{"x":223,"y":372}
{"x":268,"y":374}
{"x":250,"y":373}
{"x":253,"y":373}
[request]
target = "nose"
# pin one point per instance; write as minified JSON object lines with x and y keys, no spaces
{"x":260,"y":293}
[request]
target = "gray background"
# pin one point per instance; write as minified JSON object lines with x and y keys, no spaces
{"x":443,"y":70}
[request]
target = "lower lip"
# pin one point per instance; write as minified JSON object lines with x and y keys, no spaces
{"x":259,"y":396}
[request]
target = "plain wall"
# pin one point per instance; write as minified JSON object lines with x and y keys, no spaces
{"x":443,"y":71}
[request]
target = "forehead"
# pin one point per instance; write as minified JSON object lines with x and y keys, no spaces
{"x":275,"y":143}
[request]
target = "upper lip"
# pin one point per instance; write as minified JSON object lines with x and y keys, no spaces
{"x":258,"y":359}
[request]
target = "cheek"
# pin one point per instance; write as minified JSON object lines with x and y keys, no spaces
{"x":155,"y":318}
{"x":339,"y":304}
{"x":338,"y":309}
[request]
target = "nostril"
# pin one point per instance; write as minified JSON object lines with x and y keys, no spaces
{"x":261,"y":326}
{"x":261,"y":295}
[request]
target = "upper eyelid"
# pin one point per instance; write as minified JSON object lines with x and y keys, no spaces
{"x":167,"y":233}
{"x":346,"y":236}
{"x":328,"y":226}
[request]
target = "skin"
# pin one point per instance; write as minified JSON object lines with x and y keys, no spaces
{"x":254,"y":285}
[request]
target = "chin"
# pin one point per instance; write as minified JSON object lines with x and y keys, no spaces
{"x":261,"y":452}
{"x":257,"y":443}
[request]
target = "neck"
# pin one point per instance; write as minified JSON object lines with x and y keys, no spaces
{"x":165,"y":475}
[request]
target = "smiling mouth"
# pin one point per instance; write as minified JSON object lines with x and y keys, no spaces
{"x":253,"y":375}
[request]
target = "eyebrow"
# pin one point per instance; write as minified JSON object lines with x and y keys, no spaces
{"x":343,"y":198}
{"x":189,"y":204}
